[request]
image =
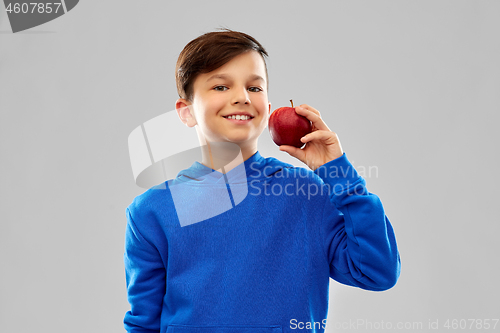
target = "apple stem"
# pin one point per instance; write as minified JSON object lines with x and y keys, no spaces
{"x":291,"y":102}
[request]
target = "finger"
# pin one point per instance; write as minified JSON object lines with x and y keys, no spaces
{"x":328,"y":137}
{"x":313,"y":116}
{"x":310,"y":108}
{"x":293,"y":151}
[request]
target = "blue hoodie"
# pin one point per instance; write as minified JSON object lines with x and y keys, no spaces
{"x":252,"y":250}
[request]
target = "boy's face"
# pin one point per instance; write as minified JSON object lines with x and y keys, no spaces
{"x":237,"y":87}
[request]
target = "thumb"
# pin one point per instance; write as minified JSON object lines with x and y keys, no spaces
{"x":293,"y":151}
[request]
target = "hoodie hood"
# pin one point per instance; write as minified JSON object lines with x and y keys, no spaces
{"x":255,"y":168}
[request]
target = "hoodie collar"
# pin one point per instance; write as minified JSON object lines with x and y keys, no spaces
{"x":255,"y":167}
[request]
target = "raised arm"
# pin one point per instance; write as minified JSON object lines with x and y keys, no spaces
{"x":359,"y":240}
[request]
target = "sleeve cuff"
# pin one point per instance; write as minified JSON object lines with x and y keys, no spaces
{"x":340,"y":174}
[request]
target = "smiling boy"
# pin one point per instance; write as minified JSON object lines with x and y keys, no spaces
{"x":261,"y":263}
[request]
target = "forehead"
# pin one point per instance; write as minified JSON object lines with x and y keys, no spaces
{"x":248,"y":66}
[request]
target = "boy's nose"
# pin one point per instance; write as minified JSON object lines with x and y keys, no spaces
{"x":240,"y":96}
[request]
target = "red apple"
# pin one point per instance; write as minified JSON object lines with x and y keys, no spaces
{"x":287,"y":127}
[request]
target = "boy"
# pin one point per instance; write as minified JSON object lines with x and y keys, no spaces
{"x":261,"y":263}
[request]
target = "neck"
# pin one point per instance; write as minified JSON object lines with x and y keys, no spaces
{"x":225,"y":156}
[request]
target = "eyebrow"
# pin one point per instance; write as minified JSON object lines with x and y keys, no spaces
{"x":224,"y":76}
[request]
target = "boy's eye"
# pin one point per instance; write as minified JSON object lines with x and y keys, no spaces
{"x":256,"y":89}
{"x":220,"y":88}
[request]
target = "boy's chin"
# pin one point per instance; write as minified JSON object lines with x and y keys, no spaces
{"x":242,"y":143}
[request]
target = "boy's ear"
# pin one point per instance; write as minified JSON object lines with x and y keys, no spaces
{"x":269,"y":107}
{"x":185,"y":112}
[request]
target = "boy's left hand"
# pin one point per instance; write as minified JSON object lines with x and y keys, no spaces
{"x":322,"y":145}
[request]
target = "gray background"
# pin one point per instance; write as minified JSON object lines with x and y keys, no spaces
{"x":410,"y":87}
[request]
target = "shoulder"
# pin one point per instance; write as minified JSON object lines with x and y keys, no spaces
{"x":146,"y":213}
{"x":149,"y":202}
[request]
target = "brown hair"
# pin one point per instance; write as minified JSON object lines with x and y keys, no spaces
{"x":209,"y":52}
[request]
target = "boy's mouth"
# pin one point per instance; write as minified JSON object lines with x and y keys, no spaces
{"x":241,"y":118}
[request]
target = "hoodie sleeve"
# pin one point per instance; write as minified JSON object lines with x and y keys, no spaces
{"x":145,"y":278}
{"x":359,"y":241}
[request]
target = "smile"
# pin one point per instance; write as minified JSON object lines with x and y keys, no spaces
{"x":239,"y":119}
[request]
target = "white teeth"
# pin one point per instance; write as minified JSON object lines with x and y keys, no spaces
{"x":238,"y":117}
